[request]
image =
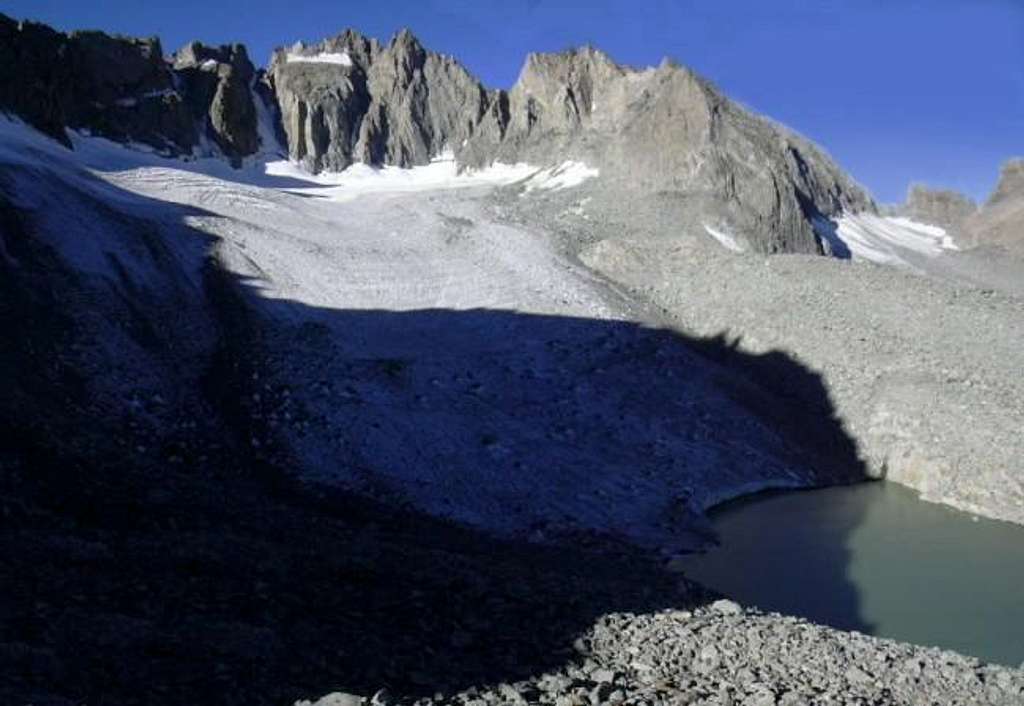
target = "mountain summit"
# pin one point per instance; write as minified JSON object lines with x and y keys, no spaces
{"x":351,"y":99}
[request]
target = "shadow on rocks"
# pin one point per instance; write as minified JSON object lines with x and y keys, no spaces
{"x":162,"y":556}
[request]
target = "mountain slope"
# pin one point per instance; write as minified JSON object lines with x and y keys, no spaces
{"x":669,"y":131}
{"x":351,"y":99}
{"x":124,"y":89}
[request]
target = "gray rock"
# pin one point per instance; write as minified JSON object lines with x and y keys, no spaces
{"x":384,"y":104}
{"x":942,"y":207}
{"x":667,"y":130}
{"x":401,"y":104}
{"x":337,"y":698}
{"x":1000,"y":221}
{"x":123,"y":89}
{"x":219,"y":81}
{"x":726,"y":607}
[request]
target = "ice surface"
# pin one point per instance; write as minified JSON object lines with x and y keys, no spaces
{"x":888,"y":241}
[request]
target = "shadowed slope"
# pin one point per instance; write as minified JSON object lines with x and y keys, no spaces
{"x":158,"y":548}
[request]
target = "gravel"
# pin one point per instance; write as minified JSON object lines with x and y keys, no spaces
{"x":925,"y":372}
{"x":736,"y":656}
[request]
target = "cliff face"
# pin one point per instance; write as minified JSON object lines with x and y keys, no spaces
{"x":1000,"y":221}
{"x":941,"y":207}
{"x":124,"y":89}
{"x":667,"y":130}
{"x":216,"y":83}
{"x":350,"y":99}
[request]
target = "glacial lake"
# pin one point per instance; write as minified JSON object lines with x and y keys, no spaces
{"x":875,"y":558}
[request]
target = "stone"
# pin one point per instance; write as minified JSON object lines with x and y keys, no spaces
{"x":726,"y":607}
{"x":218,"y":81}
{"x":337,"y":698}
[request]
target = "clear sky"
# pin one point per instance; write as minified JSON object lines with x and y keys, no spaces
{"x":896,"y":90}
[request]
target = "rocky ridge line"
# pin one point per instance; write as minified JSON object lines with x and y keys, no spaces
{"x":996,"y":223}
{"x":124,"y":89}
{"x":350,"y":99}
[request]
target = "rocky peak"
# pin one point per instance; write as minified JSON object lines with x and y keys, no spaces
{"x":666,"y":130}
{"x":942,"y":207}
{"x":124,"y":89}
{"x":198,"y":55}
{"x":217,"y":83}
{"x":1011,"y":182}
{"x":349,"y":99}
{"x":119,"y":65}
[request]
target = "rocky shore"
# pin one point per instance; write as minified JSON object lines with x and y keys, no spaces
{"x":721,"y":654}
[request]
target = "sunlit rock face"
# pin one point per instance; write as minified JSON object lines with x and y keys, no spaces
{"x":667,"y":130}
{"x":351,"y":99}
{"x":1000,"y":221}
{"x":942,"y":207}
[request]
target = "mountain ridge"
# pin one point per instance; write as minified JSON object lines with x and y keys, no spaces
{"x":350,"y":98}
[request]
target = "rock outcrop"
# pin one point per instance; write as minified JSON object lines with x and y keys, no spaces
{"x":124,"y":89}
{"x":348,"y":99}
{"x":666,"y":130}
{"x":217,"y":83}
{"x":1000,"y":221}
{"x":942,"y":207}
{"x":351,"y":99}
{"x":663,"y":130}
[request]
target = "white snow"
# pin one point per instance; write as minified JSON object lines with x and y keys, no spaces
{"x":890,"y":241}
{"x":208,"y":64}
{"x":441,"y":173}
{"x":727,"y":240}
{"x":337,"y":58}
{"x":564,"y":176}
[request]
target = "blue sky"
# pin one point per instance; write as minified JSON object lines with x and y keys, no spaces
{"x":896,"y":90}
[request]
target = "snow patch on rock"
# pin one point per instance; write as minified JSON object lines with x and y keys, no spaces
{"x":441,"y":173}
{"x":725,"y":239}
{"x":336,"y":58}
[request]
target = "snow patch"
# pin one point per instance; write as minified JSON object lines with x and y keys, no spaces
{"x":208,"y":64}
{"x":566,"y":175}
{"x":441,"y":173}
{"x":337,"y":58}
{"x":727,"y":241}
{"x":888,"y":240}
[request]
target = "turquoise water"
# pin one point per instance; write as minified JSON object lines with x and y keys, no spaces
{"x":875,"y":558}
